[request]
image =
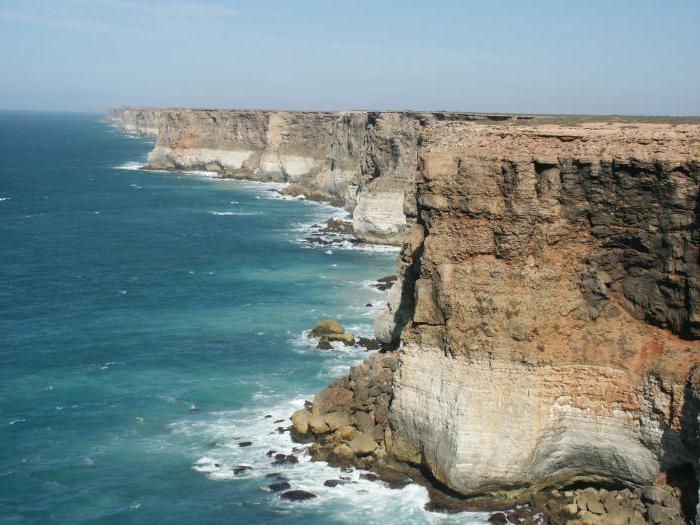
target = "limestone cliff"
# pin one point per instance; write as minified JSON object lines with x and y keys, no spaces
{"x":360,"y":160}
{"x":139,"y":121}
{"x":548,"y":312}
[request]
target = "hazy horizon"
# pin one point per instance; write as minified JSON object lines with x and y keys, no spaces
{"x":628,"y":58}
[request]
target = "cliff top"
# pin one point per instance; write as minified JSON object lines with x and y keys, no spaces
{"x":507,"y":119}
{"x":586,"y":138}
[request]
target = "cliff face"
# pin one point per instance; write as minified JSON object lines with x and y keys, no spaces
{"x":357,"y":159}
{"x":547,"y":308}
{"x":139,"y":121}
{"x":555,"y":307}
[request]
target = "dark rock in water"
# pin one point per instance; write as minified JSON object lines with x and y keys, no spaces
{"x":369,"y":476}
{"x":337,"y":226}
{"x":499,"y":518}
{"x":270,"y":453}
{"x":297,"y":495}
{"x":334,"y":482}
{"x":385,"y":283}
{"x":318,"y":240}
{"x":268,"y":415}
{"x":277,"y":487}
{"x":285,"y":459}
{"x":308,"y":405}
{"x":347,"y":469}
{"x":282,"y":430}
{"x":275,"y":475}
{"x":369,"y":344}
{"x":324,"y":344}
{"x":239,"y":469}
{"x":279,"y":421}
{"x":245,"y":443}
{"x":369,"y":305}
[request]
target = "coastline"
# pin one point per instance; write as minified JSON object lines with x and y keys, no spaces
{"x":341,"y":434}
{"x":299,"y":467}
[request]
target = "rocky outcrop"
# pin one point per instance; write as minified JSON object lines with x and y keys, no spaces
{"x":547,"y":310}
{"x":138,"y":121}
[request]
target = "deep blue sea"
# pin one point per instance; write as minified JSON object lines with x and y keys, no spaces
{"x":149,"y":321}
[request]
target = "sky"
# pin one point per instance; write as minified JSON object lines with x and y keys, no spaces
{"x":632,"y":57}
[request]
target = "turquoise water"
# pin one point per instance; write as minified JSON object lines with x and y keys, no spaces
{"x":149,"y":322}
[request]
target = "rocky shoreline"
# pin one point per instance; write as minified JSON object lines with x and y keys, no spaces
{"x":540,"y":346}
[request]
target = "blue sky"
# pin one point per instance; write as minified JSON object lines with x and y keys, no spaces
{"x":593,"y":56}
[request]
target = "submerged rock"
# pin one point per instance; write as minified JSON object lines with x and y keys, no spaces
{"x":280,"y":486}
{"x":369,"y":344}
{"x":285,"y":459}
{"x":297,"y":495}
{"x":334,"y":482}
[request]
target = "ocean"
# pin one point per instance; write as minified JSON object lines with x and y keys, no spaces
{"x":150,"y":322}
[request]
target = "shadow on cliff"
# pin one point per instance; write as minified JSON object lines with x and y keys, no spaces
{"x":681,"y":459}
{"x":407,"y":303}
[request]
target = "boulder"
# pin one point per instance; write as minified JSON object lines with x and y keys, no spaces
{"x":335,"y":482}
{"x":363,"y":445}
{"x":300,"y":421}
{"x":324,"y":343}
{"x":346,"y":433}
{"x":317,"y":424}
{"x":369,"y":344}
{"x":280,"y":486}
{"x":285,"y":459}
{"x":341,"y":454}
{"x":334,"y":420}
{"x":499,"y":518}
{"x":653,"y":494}
{"x":297,"y":495}
{"x":327,"y":327}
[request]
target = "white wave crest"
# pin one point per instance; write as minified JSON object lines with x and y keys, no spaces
{"x":235,"y":213}
{"x":130,"y":166}
{"x":357,"y":501}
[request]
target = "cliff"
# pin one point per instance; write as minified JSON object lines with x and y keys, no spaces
{"x":139,"y":121}
{"x":548,"y":315}
{"x":545,"y":326}
{"x":359,"y":160}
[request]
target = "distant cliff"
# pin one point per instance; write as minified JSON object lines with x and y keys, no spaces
{"x":359,"y":160}
{"x":139,"y":121}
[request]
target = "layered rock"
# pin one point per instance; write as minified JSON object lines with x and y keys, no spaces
{"x":360,"y":160}
{"x":357,"y":160}
{"x":139,"y":121}
{"x":548,"y":309}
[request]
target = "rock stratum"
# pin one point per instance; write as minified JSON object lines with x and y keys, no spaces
{"x":545,"y":324}
{"x":359,"y":160}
